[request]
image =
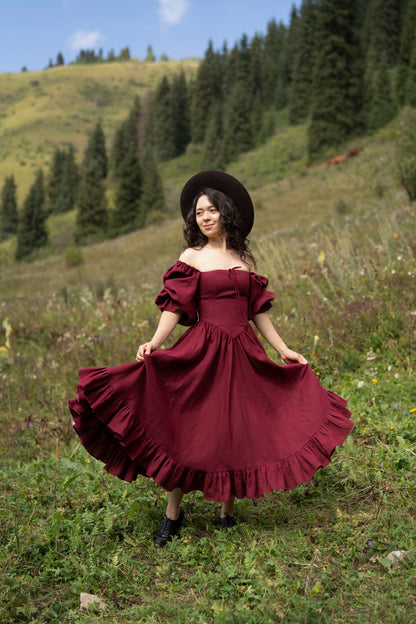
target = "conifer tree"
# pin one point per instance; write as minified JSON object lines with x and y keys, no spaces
{"x":32,"y":232}
{"x":273,"y":50}
{"x":300,"y":93}
{"x":238,"y":134}
{"x":336,"y":107}
{"x":127,"y":215}
{"x":410,"y":87}
{"x":96,"y":151}
{"x":9,"y":218}
{"x":92,"y":214}
{"x":213,"y":145}
{"x":179,"y":114}
{"x":407,"y":43}
{"x":60,"y":59}
{"x":63,"y":181}
{"x":382,"y":31}
{"x":150,"y":57}
{"x":126,"y":137}
{"x":289,"y":49}
{"x":382,"y":109}
{"x":163,"y":139}
{"x":206,"y":92}
{"x":152,"y":197}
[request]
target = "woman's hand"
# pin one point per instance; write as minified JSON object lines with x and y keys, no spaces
{"x":291,"y":357}
{"x":145,"y":349}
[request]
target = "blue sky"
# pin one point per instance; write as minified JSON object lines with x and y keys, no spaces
{"x":33,"y":31}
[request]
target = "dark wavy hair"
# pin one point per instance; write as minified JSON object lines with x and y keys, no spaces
{"x":230,"y":220}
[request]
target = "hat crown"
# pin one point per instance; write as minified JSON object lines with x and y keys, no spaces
{"x":227,"y":184}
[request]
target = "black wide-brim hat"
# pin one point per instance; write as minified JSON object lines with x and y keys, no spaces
{"x":227,"y":184}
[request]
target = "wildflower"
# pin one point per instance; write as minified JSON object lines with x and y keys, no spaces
{"x":413,"y":410}
{"x":370,"y":543}
{"x":374,"y":381}
{"x":392,"y":427}
{"x":395,"y":405}
{"x":382,"y":464}
{"x":360,"y":384}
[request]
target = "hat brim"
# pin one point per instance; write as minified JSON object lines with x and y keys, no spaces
{"x":227,"y":184}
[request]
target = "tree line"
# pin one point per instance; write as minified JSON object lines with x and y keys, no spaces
{"x":345,"y":67}
{"x":134,"y":175}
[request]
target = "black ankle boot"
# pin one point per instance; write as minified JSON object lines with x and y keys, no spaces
{"x":168,"y":529}
{"x":227,"y":521}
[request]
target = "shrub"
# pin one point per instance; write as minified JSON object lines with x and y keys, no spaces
{"x":74,"y":257}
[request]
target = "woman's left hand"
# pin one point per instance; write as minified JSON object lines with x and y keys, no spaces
{"x":291,"y":357}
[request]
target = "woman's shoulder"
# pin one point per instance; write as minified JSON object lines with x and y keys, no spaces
{"x":188,"y":255}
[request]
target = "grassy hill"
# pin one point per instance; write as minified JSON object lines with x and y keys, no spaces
{"x":41,"y":110}
{"x":338,"y":246}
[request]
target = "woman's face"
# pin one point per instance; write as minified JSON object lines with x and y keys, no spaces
{"x":208,"y":218}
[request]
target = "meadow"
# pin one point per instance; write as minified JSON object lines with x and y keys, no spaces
{"x":338,"y":246}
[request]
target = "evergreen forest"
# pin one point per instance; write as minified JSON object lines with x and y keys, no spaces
{"x":343,"y":67}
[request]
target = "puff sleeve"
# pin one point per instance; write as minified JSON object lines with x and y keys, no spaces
{"x":180,"y":285}
{"x":260,"y":299}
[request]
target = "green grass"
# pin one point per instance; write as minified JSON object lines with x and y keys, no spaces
{"x":42,"y":110}
{"x":344,"y":272}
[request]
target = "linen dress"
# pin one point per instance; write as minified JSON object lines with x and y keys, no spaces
{"x":213,"y":412}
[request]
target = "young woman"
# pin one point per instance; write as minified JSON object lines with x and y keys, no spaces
{"x":213,"y":412}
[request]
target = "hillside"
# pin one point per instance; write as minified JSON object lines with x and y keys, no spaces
{"x":338,"y":247}
{"x":41,"y":110}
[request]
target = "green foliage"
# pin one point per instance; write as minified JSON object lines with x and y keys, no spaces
{"x":410,"y":86}
{"x":9,"y":218}
{"x":152,"y":200}
{"x":382,"y":109}
{"x":32,"y":232}
{"x":405,"y":156}
{"x":206,"y":93}
{"x":128,"y":215}
{"x":150,"y":57}
{"x":92,"y":213}
{"x":303,"y":65}
{"x":74,"y":257}
{"x":96,"y":151}
{"x":63,"y":181}
{"x":336,"y":107}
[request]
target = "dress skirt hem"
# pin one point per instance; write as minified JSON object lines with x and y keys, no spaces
{"x":111,"y":431}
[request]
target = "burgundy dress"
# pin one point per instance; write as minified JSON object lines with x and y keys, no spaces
{"x":213,"y":412}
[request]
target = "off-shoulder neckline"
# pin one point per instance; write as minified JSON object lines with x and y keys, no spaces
{"x":236,"y":268}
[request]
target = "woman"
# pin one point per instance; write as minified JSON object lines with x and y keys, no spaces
{"x":213,"y":412}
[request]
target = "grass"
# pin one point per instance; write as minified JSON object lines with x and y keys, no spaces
{"x":34,"y":117}
{"x":341,"y":272}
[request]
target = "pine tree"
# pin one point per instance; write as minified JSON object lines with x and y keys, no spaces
{"x":382,"y":108}
{"x":289,"y":50}
{"x":382,"y":30}
{"x":150,"y":57}
{"x":153,"y":198}
{"x":92,"y":214}
{"x":180,"y":113}
{"x":300,"y":93}
{"x":238,"y":135}
{"x":206,"y":92}
{"x":407,"y":43}
{"x":96,"y":151}
{"x":273,"y":49}
{"x":60,"y":59}
{"x":336,"y":107}
{"x":63,"y":181}
{"x":9,"y":218}
{"x":32,"y":232}
{"x":410,"y":87}
{"x":126,"y":137}
{"x":163,"y":140}
{"x":127,"y":215}
{"x":213,"y":145}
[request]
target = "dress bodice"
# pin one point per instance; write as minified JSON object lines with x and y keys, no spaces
{"x":222,"y":299}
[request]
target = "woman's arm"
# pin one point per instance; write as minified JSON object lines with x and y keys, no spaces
{"x":167,"y":323}
{"x":266,"y":329}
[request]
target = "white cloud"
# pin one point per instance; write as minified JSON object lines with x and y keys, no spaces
{"x":173,"y":11}
{"x":81,"y":40}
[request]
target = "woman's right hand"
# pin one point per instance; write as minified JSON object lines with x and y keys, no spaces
{"x":144,"y":350}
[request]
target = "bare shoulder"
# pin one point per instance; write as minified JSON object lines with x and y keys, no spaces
{"x":188,"y":255}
